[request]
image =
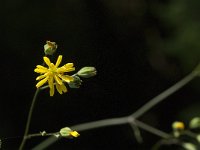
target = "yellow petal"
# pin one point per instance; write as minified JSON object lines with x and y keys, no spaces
{"x":41,"y":67}
{"x":58,"y":61}
{"x":58,"y":80}
{"x":47,"y":61}
{"x":64,"y":89}
{"x":51,"y":86}
{"x":38,"y":70}
{"x":61,"y":69}
{"x":59,"y":88}
{"x":74,"y":133}
{"x":42,"y":76}
{"x":69,"y":67}
{"x":43,"y":81}
{"x":50,"y":82}
{"x":66,"y":78}
{"x":51,"y":91}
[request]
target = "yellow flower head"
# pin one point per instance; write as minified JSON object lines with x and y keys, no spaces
{"x":54,"y":75}
{"x":177,"y":125}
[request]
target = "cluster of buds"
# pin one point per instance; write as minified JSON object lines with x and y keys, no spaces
{"x":85,"y":72}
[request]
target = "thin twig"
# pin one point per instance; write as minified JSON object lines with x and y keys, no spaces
{"x":41,"y":134}
{"x":152,"y":130}
{"x":150,"y":104}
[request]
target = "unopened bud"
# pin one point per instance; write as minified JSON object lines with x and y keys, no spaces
{"x":50,"y":48}
{"x":195,"y":123}
{"x":66,"y":132}
{"x":87,"y":72}
{"x":76,"y":83}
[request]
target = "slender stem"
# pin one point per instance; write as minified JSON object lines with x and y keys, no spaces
{"x":146,"y":107}
{"x":105,"y":123}
{"x":100,"y":123}
{"x":152,"y":129}
{"x":131,"y":118}
{"x":40,"y":134}
{"x":29,"y":120}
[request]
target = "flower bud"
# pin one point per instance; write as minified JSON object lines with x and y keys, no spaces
{"x":195,"y":123}
{"x":66,"y":132}
{"x":76,"y":83}
{"x":189,"y":146}
{"x":177,"y":125}
{"x":50,"y":48}
{"x":87,"y":72}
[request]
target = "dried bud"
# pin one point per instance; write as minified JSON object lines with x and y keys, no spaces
{"x":87,"y":72}
{"x":50,"y":48}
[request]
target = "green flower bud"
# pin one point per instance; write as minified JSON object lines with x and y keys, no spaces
{"x":195,"y":123}
{"x":50,"y":48}
{"x":189,"y":146}
{"x":198,"y":138}
{"x":87,"y":72}
{"x":66,"y":132}
{"x":76,"y":83}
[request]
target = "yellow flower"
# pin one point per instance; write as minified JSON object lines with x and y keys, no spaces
{"x":74,"y":133}
{"x":54,"y":75}
{"x":177,"y":125}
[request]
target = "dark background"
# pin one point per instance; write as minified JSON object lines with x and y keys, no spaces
{"x":139,"y":48}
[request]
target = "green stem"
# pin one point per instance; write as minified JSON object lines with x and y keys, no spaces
{"x":152,"y":130}
{"x":29,"y":120}
{"x":106,"y":123}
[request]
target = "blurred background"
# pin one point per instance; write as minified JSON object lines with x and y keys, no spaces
{"x":139,"y":48}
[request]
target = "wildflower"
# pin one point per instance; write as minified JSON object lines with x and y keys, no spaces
{"x":53,"y":72}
